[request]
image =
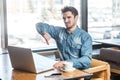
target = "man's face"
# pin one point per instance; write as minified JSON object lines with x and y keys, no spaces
{"x":70,"y":20}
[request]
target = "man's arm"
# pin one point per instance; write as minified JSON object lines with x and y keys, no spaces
{"x":44,"y":30}
{"x":86,"y":54}
{"x":48,"y":30}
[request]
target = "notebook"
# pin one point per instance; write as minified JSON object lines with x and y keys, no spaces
{"x":23,"y":59}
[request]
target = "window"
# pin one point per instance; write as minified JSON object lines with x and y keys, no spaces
{"x":22,"y":15}
{"x":103,"y":19}
{"x":0,"y":29}
{"x":0,"y":21}
{"x":3,"y":25}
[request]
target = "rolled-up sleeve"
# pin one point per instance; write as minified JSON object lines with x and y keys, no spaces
{"x":41,"y":27}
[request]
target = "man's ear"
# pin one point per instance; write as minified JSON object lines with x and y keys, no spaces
{"x":76,"y":17}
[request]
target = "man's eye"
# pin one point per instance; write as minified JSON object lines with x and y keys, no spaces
{"x":68,"y":17}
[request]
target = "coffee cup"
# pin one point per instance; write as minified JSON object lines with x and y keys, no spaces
{"x":68,"y":66}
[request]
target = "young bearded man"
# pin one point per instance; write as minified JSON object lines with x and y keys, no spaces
{"x":74,"y":44}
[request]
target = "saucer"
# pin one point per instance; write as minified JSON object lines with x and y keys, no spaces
{"x":68,"y":70}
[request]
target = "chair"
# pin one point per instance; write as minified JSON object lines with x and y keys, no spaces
{"x":100,"y":69}
{"x":112,"y":56}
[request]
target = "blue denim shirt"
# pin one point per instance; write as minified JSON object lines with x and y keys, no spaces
{"x":75,"y":47}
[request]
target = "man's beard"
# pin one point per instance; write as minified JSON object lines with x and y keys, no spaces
{"x":70,"y":27}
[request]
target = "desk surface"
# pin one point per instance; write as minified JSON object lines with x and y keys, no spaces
{"x":115,"y":42}
{"x":7,"y":73}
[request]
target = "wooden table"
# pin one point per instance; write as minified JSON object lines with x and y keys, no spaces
{"x":8,"y":73}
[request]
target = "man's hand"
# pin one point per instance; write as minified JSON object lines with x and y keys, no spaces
{"x":59,"y":65}
{"x":47,"y":37}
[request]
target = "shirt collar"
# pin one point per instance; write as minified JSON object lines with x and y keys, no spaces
{"x":76,"y":29}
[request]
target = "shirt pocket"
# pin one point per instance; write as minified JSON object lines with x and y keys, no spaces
{"x":76,"y":46}
{"x":75,"y":49}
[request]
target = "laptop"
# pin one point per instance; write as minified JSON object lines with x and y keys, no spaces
{"x":23,"y":59}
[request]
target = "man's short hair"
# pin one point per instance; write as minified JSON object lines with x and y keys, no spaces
{"x":71,"y":9}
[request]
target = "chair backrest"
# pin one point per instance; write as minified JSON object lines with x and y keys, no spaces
{"x":110,"y":55}
{"x":100,"y":70}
